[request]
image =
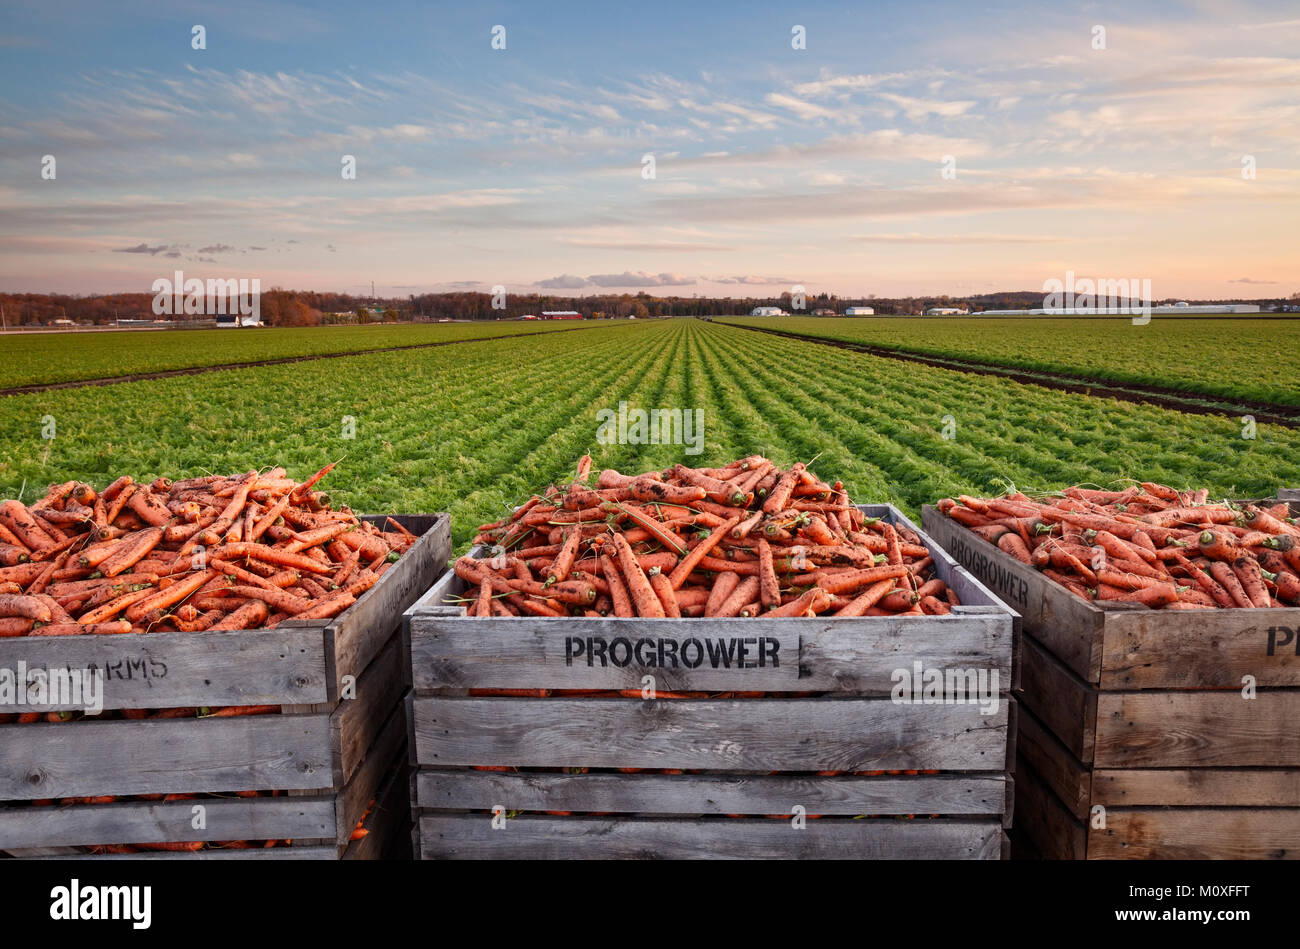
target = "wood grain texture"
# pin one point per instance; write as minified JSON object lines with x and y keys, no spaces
{"x":854,"y":656}
{"x":1044,"y":821}
{"x":79,"y":825}
{"x":1198,"y":787}
{"x":1197,"y":834}
{"x":1152,"y":649}
{"x":1197,"y":729}
{"x":1060,"y":699}
{"x":177,"y":670}
{"x":742,"y":735}
{"x":357,"y":721}
{"x":699,"y":794}
{"x":76,"y":759}
{"x":1068,"y":778}
{"x":452,"y":837}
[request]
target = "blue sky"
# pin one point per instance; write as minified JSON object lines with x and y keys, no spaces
{"x":523,"y":167}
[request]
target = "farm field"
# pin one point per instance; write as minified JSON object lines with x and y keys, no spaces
{"x":1235,"y":358}
{"x":37,"y":358}
{"x":473,"y":429}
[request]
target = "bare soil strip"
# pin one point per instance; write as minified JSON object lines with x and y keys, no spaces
{"x":282,"y":361}
{"x":1192,"y":402}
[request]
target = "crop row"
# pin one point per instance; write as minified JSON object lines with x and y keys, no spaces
{"x":39,"y":358}
{"x":1236,"y":358}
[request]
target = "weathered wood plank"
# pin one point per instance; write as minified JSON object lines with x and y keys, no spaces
{"x":389,"y":818}
{"x":176,"y":670}
{"x":1068,"y":778}
{"x":1197,"y":834}
{"x":1068,"y":626}
{"x":698,"y":794}
{"x":275,"y":853}
{"x":1044,"y":821}
{"x":545,"y":838}
{"x":779,"y":655}
{"x":1198,"y":787}
{"x":1197,"y":729}
{"x":361,"y":631}
{"x":1152,"y":649}
{"x":1062,"y":701}
{"x":76,"y":759}
{"x":385,"y":756}
{"x":356,"y":722}
{"x":141,"y":822}
{"x":746,"y":735}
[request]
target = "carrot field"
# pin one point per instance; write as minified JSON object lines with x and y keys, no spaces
{"x":1234,"y":358}
{"x":472,"y":428}
{"x":42,"y":358}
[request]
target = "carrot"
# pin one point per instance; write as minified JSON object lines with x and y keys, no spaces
{"x":249,"y":616}
{"x":1011,"y":543}
{"x":643,"y":596}
{"x":746,"y":591}
{"x":270,"y":555}
{"x":723,"y":586}
{"x":810,"y":603}
{"x":699,"y":552}
{"x":1229,"y":581}
{"x":1156,"y":595}
{"x":644,"y":489}
{"x":1218,"y":545}
{"x":856,"y":579}
{"x":656,"y":530}
{"x":867,"y":599}
{"x":24,"y":607}
{"x":664,"y":590}
{"x":618,"y":593}
{"x":563,"y":563}
{"x":329,"y":607}
{"x":116,"y":627}
{"x":769,"y":586}
{"x":20,"y":523}
{"x":170,"y":596}
{"x":780,"y":496}
{"x":1252,"y":583}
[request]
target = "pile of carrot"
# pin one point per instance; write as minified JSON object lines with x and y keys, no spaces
{"x":747,"y":539}
{"x":212,"y":553}
{"x":1147,"y":544}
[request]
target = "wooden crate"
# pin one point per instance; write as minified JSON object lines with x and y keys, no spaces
{"x":1142,"y":714}
{"x":732,"y":744}
{"x":341,"y":731}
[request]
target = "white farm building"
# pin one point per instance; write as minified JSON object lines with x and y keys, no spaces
{"x":767,"y":311}
{"x":860,"y":311}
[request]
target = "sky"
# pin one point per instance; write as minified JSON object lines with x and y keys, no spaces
{"x":677,"y":148}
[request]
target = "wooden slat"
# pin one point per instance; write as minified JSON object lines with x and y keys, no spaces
{"x":253,"y":853}
{"x":845,"y":655}
{"x":1198,"y":787}
{"x":75,"y":759}
{"x":359,"y":634}
{"x":1152,"y":649}
{"x":176,"y":670}
{"x":356,"y":722}
{"x":1044,"y":821}
{"x":78,"y":825}
{"x":1197,"y":729}
{"x":1062,"y":701}
{"x":1193,"y":833}
{"x":545,"y":838}
{"x":385,"y":756}
{"x":743,"y":735}
{"x":1069,"y":779}
{"x":697,"y":794}
{"x":1067,"y":625}
{"x":389,"y":818}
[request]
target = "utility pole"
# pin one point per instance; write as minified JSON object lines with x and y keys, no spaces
{"x":4,"y":326}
